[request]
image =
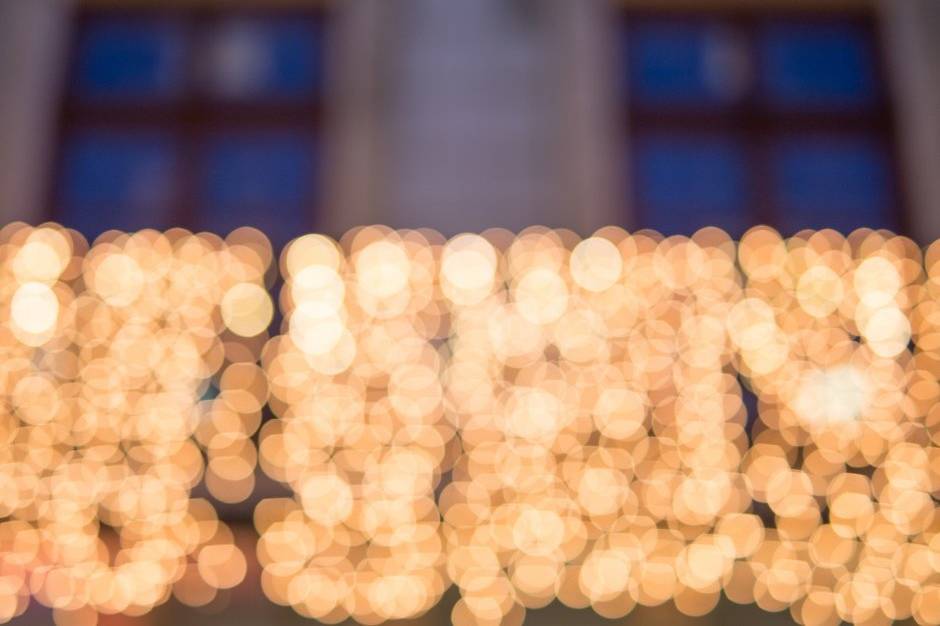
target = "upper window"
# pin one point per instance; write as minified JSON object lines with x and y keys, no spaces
{"x":817,"y":67}
{"x":772,"y":118}
{"x":273,"y":59}
{"x":685,"y":63}
{"x":198,"y":118}
{"x":124,"y":58}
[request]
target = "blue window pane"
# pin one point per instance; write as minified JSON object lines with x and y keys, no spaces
{"x":265,"y":58}
{"x":130,"y":59}
{"x":831,"y":182}
{"x":260,"y":179}
{"x":685,"y":63}
{"x":117,"y":180}
{"x":817,"y":66}
{"x":685,"y":181}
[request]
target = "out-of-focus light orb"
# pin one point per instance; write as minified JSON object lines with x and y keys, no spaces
{"x":247,"y":309}
{"x":382,"y":269}
{"x":876,"y":282}
{"x":541,"y":295}
{"x":327,"y":499}
{"x":620,"y":413}
{"x":534,"y":415}
{"x":223,"y":566}
{"x":601,"y":491}
{"x":832,"y":396}
{"x":706,"y":563}
{"x":316,"y":327}
{"x":596,"y":264}
{"x":820,"y":291}
{"x":319,"y":286}
{"x":40,"y":260}
{"x":887,"y":331}
{"x":751,"y":324}
{"x":310,"y":251}
{"x":118,"y":279}
{"x":468,"y":269}
{"x":538,"y":532}
{"x":605,"y":574}
{"x":34,"y":308}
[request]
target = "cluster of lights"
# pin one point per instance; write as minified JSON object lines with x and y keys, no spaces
{"x":360,"y":434}
{"x":584,"y":401}
{"x":106,"y":354}
{"x":529,"y":418}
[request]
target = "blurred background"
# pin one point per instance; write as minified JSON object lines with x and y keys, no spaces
{"x":296,"y":116}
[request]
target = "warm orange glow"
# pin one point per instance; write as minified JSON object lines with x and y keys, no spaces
{"x":584,"y":399}
{"x":107,"y":354}
{"x":527,"y":417}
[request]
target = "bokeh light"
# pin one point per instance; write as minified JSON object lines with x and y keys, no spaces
{"x":108,"y":354}
{"x":622,"y":420}
{"x":566,"y":419}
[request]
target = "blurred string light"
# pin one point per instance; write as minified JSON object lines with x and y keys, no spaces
{"x":540,"y":417}
{"x":361,"y":436}
{"x":107,"y":353}
{"x":528,"y":417}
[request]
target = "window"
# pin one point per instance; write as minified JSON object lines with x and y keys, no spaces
{"x":688,"y":181}
{"x":778,"y":118}
{"x":118,"y":179}
{"x":824,"y":180}
{"x":130,"y":59}
{"x":817,"y":67}
{"x":201,"y":118}
{"x":248,"y":174}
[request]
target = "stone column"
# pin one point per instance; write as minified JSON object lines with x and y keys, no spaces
{"x":910,"y":29}
{"x":33,"y":44}
{"x":469,"y":124}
